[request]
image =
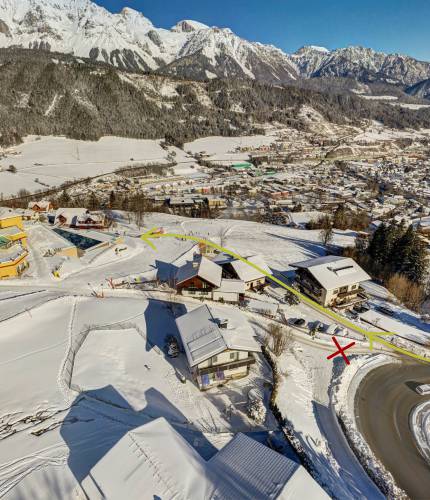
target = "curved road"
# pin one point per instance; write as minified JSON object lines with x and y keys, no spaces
{"x":383,"y":403}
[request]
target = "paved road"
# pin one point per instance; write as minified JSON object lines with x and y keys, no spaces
{"x":384,"y":401}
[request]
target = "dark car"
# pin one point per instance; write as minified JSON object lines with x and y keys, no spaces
{"x":385,"y":310}
{"x":299,"y":322}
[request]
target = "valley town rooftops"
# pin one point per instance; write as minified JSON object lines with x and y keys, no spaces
{"x":155,"y":461}
{"x":333,"y":271}
{"x":202,"y":338}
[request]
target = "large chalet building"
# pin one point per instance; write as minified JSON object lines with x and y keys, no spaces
{"x":332,"y":281}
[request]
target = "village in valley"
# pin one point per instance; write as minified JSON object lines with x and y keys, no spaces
{"x":114,"y":342}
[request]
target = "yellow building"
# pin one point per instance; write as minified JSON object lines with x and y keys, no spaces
{"x":12,"y":226}
{"x":9,"y":218}
{"x":13,"y":244}
{"x":13,"y":259}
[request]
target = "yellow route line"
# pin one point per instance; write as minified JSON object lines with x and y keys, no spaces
{"x":374,"y":337}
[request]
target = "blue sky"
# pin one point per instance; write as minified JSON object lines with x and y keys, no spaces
{"x":389,"y":25}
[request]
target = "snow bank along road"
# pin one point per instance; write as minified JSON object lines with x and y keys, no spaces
{"x":384,"y":402}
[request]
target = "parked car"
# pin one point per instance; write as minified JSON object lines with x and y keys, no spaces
{"x":298,"y":322}
{"x":385,"y":310}
{"x":423,"y":390}
{"x":317,"y":326}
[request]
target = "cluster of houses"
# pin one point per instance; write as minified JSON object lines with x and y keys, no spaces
{"x":220,"y":348}
{"x":72,"y":233}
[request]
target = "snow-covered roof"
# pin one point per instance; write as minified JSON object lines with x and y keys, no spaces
{"x":244,"y":271}
{"x":155,"y":461}
{"x":7,"y":213}
{"x":202,"y":338}
{"x":333,"y":271}
{"x":201,"y":267}
{"x":232,"y":286}
{"x":12,"y":253}
{"x":70,"y":213}
{"x":152,"y":461}
{"x":43,"y":204}
{"x":247,"y":273}
{"x":251,"y":470}
{"x":11,"y":231}
{"x":262,"y":306}
{"x":75,"y":216}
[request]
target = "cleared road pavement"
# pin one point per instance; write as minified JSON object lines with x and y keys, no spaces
{"x":384,"y":402}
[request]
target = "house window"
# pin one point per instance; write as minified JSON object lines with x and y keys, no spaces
{"x":214,"y":359}
{"x":354,"y":287}
{"x":335,"y":292}
{"x":344,"y":289}
{"x":232,"y":355}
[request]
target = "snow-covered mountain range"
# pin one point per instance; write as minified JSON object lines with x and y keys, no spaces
{"x":191,"y":49}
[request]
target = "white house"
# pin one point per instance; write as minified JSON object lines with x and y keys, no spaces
{"x":237,"y":269}
{"x":332,"y":280}
{"x":155,"y":461}
{"x":219,"y":345}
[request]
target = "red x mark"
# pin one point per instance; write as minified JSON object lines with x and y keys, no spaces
{"x":341,"y":350}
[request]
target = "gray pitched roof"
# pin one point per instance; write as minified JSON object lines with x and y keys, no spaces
{"x":202,"y":338}
{"x":244,"y":271}
{"x":201,"y":267}
{"x":334,"y":271}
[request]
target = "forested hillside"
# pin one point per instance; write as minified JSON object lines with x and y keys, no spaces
{"x":44,"y":93}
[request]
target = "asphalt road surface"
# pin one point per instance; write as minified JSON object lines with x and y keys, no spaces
{"x":384,"y":402}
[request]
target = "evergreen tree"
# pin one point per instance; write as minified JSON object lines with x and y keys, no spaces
{"x":410,"y":257}
{"x":377,"y":244}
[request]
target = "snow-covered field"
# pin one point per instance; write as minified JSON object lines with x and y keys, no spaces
{"x":377,"y":132}
{"x":224,"y":148}
{"x":71,"y":159}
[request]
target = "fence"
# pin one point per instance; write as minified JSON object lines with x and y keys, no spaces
{"x":78,"y":341}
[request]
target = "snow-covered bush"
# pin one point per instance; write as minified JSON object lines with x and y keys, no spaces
{"x":257,"y":410}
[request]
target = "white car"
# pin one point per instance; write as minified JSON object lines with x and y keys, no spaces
{"x":423,"y":390}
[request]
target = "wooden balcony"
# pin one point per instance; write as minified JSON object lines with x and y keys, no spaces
{"x":350,"y":293}
{"x":225,"y":366}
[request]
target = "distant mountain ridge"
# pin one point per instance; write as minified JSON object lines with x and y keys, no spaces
{"x":128,"y":40}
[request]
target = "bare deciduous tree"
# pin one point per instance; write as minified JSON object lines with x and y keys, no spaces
{"x":278,"y":339}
